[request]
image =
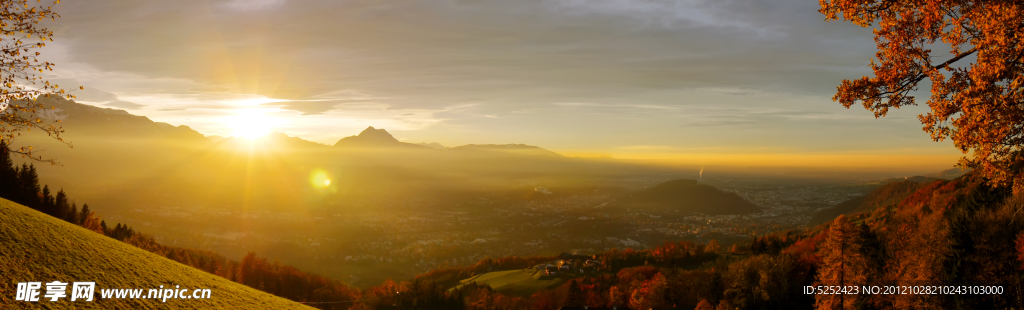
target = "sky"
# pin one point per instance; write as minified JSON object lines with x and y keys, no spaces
{"x":703,"y":82}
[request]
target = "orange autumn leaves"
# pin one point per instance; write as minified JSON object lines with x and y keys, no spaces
{"x":979,"y":105}
{"x":22,"y":72}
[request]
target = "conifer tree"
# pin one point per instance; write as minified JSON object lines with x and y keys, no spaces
{"x":71,"y":215}
{"x":8,"y":173}
{"x":843,"y":264}
{"x":47,"y":204}
{"x":60,"y":205}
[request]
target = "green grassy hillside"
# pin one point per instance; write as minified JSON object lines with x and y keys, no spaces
{"x":520,"y":282}
{"x":35,"y":247}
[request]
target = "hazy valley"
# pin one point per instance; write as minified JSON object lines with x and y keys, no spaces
{"x":372,"y":208}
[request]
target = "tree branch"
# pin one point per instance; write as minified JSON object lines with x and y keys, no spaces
{"x":945,"y":64}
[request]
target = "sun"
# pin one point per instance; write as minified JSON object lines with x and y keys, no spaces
{"x":250,"y":124}
{"x":249,"y":128}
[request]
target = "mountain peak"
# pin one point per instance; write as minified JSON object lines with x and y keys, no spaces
{"x":370,"y":137}
{"x":379,"y":135}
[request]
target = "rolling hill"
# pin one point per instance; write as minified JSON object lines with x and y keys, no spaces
{"x":35,"y":247}
{"x":689,"y":196}
{"x":888,"y":194}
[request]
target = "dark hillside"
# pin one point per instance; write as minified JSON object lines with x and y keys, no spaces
{"x":886,"y":195}
{"x":689,"y":196}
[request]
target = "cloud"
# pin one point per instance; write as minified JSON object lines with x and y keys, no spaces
{"x":124,"y":105}
{"x":90,"y":94}
{"x":439,"y":51}
{"x":618,"y":105}
{"x":694,"y":72}
{"x":311,"y":107}
{"x":327,"y":101}
{"x":254,"y":4}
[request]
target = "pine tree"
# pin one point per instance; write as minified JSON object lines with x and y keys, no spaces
{"x":47,"y":206}
{"x":844,"y":262}
{"x":28,"y":187}
{"x":8,"y":173}
{"x":71,"y":215}
{"x":60,"y":205}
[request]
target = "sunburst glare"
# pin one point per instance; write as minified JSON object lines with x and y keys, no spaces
{"x":251,"y":124}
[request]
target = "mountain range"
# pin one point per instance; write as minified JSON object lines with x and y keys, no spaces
{"x":120,"y":159}
{"x":87,"y":121}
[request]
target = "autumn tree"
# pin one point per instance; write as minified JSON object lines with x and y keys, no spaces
{"x":845,"y":263}
{"x":713,"y":247}
{"x":979,"y":105}
{"x":21,"y":37}
{"x":650,"y":294}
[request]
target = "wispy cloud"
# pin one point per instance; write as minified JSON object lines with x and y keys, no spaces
{"x":621,"y":105}
{"x":124,"y":105}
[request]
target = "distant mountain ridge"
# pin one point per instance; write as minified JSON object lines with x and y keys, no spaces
{"x":82,"y":119}
{"x":375,"y":138}
{"x":690,"y":196}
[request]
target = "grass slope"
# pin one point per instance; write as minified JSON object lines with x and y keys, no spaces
{"x":35,"y":247}
{"x":520,"y":282}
